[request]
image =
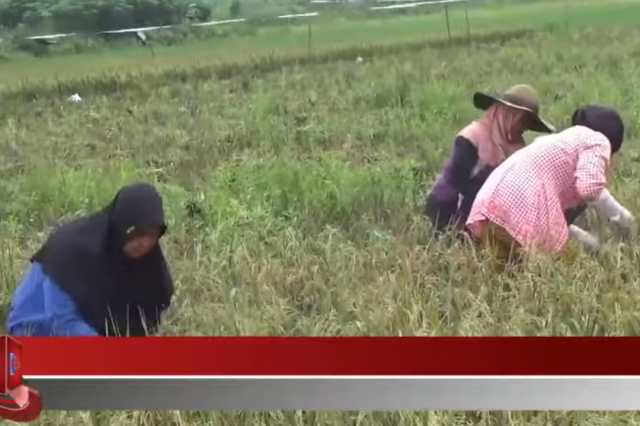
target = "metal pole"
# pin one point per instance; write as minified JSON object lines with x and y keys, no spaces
{"x":309,"y":40}
{"x":446,"y":14}
{"x":466,"y":18}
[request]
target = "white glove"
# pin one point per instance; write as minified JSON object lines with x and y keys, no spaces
{"x":588,"y":241}
{"x":606,"y":205}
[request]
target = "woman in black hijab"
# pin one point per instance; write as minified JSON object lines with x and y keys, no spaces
{"x":600,"y":119}
{"x":101,"y":275}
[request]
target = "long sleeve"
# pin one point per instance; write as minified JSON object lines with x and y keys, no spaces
{"x":589,"y":242}
{"x":26,"y":317}
{"x":64,"y":316}
{"x":463,"y":162}
{"x":609,"y":207}
{"x":40,"y":308}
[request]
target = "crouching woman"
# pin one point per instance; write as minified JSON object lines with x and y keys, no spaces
{"x":526,"y":203}
{"x":101,"y":275}
{"x":478,"y":149}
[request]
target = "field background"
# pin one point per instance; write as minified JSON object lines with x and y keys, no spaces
{"x":291,"y":188}
{"x":329,"y":34}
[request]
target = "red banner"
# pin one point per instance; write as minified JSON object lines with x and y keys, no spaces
{"x":183,"y":356}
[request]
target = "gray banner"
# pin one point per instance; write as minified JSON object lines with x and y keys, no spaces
{"x":271,"y":394}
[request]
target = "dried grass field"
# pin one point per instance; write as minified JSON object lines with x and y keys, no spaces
{"x":295,"y":207}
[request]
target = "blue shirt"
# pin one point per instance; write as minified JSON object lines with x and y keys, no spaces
{"x":41,"y":308}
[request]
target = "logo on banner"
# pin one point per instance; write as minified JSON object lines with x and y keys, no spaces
{"x":13,"y":363}
{"x":18,"y":402}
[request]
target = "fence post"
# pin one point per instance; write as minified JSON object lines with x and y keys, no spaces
{"x":309,"y":40}
{"x":466,"y":18}
{"x":446,"y":14}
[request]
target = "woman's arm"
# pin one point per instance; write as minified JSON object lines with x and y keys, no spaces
{"x":588,"y":241}
{"x":612,"y":210}
{"x":463,"y":161}
{"x":591,"y":181}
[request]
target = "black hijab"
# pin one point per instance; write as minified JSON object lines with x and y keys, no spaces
{"x":601,"y":119}
{"x":115,"y":295}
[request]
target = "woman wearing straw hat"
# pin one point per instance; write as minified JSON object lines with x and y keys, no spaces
{"x":479,"y":148}
{"x":523,"y":204}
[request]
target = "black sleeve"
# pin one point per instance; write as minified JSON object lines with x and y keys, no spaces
{"x":572,"y":214}
{"x":464,"y":159}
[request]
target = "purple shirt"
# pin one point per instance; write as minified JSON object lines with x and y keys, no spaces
{"x":455,"y":190}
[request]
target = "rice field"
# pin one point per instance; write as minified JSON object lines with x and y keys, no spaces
{"x":329,"y":34}
{"x":293,"y":191}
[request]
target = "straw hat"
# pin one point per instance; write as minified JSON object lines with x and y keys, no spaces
{"x":520,"y":96}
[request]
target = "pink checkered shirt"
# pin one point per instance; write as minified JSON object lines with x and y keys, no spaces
{"x":529,"y":192}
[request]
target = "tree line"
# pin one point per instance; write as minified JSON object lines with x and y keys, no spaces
{"x":103,"y":15}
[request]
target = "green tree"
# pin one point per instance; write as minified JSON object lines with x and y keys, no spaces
{"x":235,"y":9}
{"x":99,"y":15}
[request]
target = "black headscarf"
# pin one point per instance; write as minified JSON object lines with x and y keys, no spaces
{"x":115,"y":295}
{"x":601,"y":119}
